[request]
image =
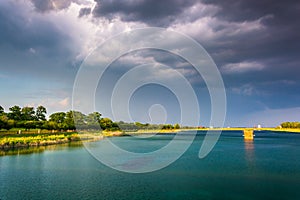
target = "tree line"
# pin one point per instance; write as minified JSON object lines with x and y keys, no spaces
{"x":290,"y":125}
{"x":35,"y":118}
{"x":145,"y":126}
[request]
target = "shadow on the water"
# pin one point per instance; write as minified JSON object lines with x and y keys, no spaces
{"x":39,"y":149}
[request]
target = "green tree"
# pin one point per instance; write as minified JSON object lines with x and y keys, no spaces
{"x":141,"y":126}
{"x":40,"y":113}
{"x":69,"y":121}
{"x":3,"y":121}
{"x":79,"y":118}
{"x":15,"y":113}
{"x":6,"y":123}
{"x":39,"y":124}
{"x":94,"y":117}
{"x":27,"y":113}
{"x":50,"y":125}
{"x":127,"y":126}
{"x":76,"y":120}
{"x":10,"y":124}
{"x":290,"y":125}
{"x":29,"y":125}
{"x":167,"y":126}
{"x":108,"y":124}
{"x":1,"y":110}
{"x":58,"y":117}
{"x":176,"y":126}
{"x":3,"y":118}
{"x":56,"y":121}
{"x":93,"y":120}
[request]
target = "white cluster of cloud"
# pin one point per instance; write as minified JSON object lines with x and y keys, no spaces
{"x":210,"y":28}
{"x":246,"y":89}
{"x":242,"y":67}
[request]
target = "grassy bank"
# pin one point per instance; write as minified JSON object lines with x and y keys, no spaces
{"x":26,"y":139}
{"x":8,"y":140}
{"x":150,"y":131}
{"x":292,"y":130}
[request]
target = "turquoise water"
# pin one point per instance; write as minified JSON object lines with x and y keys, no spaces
{"x":267,"y":168}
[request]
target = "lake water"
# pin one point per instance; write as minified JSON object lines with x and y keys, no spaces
{"x":267,"y":168}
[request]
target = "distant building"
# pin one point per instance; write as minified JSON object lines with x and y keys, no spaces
{"x":258,"y":126}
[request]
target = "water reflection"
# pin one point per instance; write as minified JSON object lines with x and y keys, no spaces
{"x":39,"y":149}
{"x":21,"y":151}
{"x":249,"y":153}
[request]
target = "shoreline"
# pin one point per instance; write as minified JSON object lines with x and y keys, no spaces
{"x":290,"y":130}
{"x":212,"y":129}
{"x":8,"y":142}
{"x":23,"y":141}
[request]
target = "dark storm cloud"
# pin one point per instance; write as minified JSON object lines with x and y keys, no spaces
{"x":46,"y":5}
{"x":42,"y":5}
{"x":278,"y":38}
{"x":22,"y":33}
{"x":152,"y":12}
{"x":280,"y":19}
{"x":84,"y":11}
{"x":243,"y":10}
{"x":31,"y":45}
{"x":276,"y":46}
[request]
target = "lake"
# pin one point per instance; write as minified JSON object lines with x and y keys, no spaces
{"x":266,"y":168}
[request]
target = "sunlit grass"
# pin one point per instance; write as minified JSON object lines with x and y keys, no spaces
{"x":28,"y":139}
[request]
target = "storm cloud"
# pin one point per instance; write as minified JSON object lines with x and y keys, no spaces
{"x":254,"y":43}
{"x":152,"y":12}
{"x":84,"y":11}
{"x":46,"y":5}
{"x":223,"y":27}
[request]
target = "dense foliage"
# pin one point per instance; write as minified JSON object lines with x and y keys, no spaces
{"x":290,"y":125}
{"x":31,"y":118}
{"x":140,"y":126}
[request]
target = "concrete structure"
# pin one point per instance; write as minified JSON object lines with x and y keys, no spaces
{"x":248,"y":134}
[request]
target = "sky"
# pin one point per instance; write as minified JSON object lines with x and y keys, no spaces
{"x":254,"y":44}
